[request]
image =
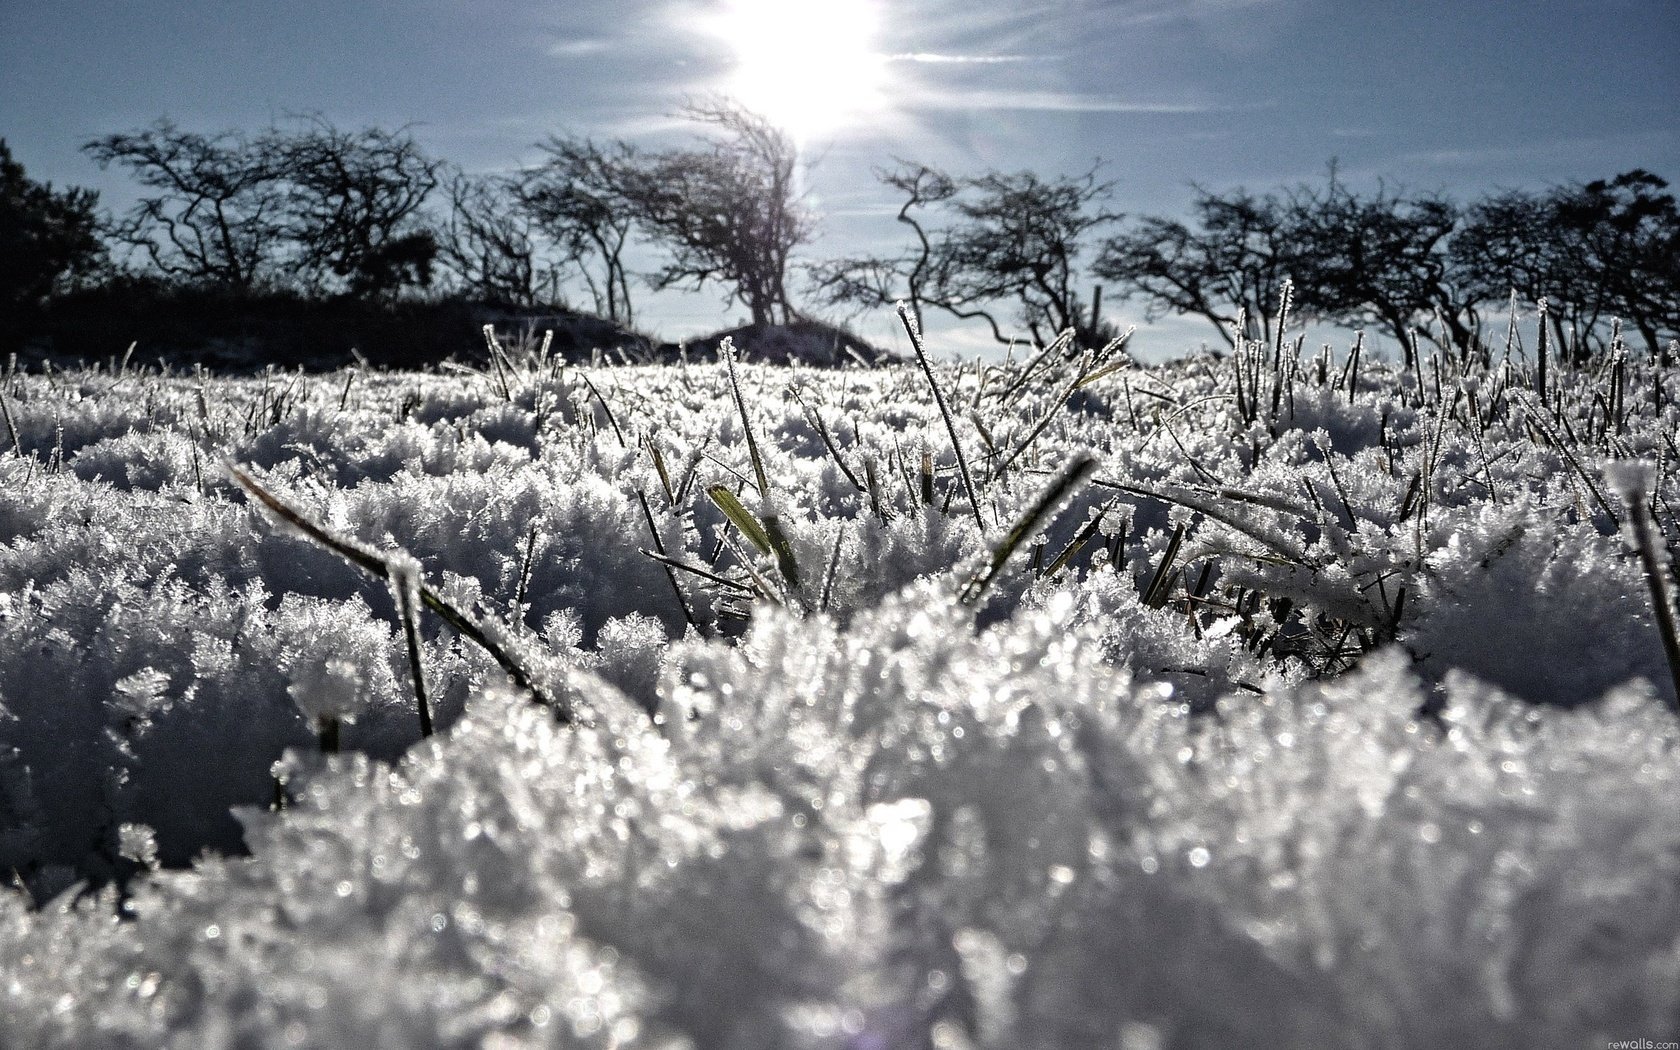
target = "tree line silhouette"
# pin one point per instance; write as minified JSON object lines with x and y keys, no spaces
{"x":312,"y":213}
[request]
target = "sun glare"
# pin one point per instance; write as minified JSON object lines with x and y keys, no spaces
{"x":810,"y":66}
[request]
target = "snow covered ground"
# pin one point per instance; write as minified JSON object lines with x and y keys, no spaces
{"x":1263,"y":701}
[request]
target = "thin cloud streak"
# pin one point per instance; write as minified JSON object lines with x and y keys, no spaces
{"x":1050,"y":102}
{"x":938,"y":59}
{"x":1205,"y":11}
{"x":580,"y":48}
{"x":1566,"y":149}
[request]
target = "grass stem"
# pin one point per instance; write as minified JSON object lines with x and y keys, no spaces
{"x":915,"y":333}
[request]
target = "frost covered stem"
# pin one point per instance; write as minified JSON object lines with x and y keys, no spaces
{"x":659,"y":548}
{"x":727,"y":349}
{"x":915,"y":334}
{"x":1076,"y":472}
{"x":405,"y":588}
{"x":375,"y":564}
{"x":1645,"y":543}
{"x":11,"y":428}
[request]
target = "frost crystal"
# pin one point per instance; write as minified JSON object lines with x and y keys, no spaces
{"x":1300,"y":709}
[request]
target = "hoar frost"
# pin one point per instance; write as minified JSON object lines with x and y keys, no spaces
{"x":1328,"y":715}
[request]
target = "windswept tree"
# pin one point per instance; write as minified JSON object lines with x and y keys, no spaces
{"x":216,"y":214}
{"x":353,"y":201}
{"x":489,"y":243}
{"x":1508,"y":244}
{"x":333,"y":211}
{"x":983,"y":245}
{"x":1596,"y":251}
{"x":870,"y":281}
{"x":1229,"y":262}
{"x":48,"y":238}
{"x":1628,"y":231}
{"x":727,"y":211}
{"x":1018,"y":240}
{"x":1379,"y":261}
{"x":576,"y":197}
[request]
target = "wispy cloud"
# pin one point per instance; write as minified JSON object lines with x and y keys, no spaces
{"x":1542,"y":159}
{"x":1471,"y":156}
{"x":1156,"y":12}
{"x":580,"y":48}
{"x":1048,"y":102}
{"x":937,"y":59}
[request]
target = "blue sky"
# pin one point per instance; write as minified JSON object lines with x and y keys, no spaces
{"x":1436,"y":95}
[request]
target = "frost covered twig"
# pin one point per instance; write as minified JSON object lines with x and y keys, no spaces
{"x":727,"y":349}
{"x":1629,"y":480}
{"x":380,"y":566}
{"x":11,"y":428}
{"x":403,"y":577}
{"x":1075,"y":473}
{"x":915,"y":334}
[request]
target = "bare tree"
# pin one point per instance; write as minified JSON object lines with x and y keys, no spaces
{"x":1509,"y":243}
{"x":1007,"y":240}
{"x":1020,"y":241}
{"x":1357,"y":260}
{"x":870,"y":281}
{"x":218,"y":216}
{"x":1607,"y":248}
{"x":488,"y":240}
{"x":727,"y":211}
{"x":1628,"y":231}
{"x":576,"y":198}
{"x":353,"y":201}
{"x":339,"y":210}
{"x":1232,"y":263}
{"x":1379,"y":260}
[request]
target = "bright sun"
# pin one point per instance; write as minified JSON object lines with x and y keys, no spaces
{"x":810,"y":66}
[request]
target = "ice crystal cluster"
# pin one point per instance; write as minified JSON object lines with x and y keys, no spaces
{"x":1329,"y":708}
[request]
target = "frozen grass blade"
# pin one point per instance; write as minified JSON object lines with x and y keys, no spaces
{"x":828,"y":442}
{"x":11,"y":428}
{"x":1272,"y":541}
{"x":497,"y":356}
{"x":1078,"y":543}
{"x":659,"y":547}
{"x":403,"y":576}
{"x":1630,"y":480}
{"x":1073,"y":474}
{"x":1536,"y":416}
{"x":727,"y":349}
{"x":742,"y":518}
{"x":704,"y":574}
{"x":379,"y":566}
{"x":659,"y":467}
{"x":828,"y":577}
{"x":915,"y":333}
{"x":874,"y":490}
{"x":1155,"y":595}
{"x":611,"y":419}
{"x":1102,"y":373}
{"x":765,"y":534}
{"x":525,"y":566}
{"x":344,"y":395}
{"x":1054,"y":347}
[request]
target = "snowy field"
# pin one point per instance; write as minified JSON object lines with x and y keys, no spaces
{"x":1275,"y":700}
